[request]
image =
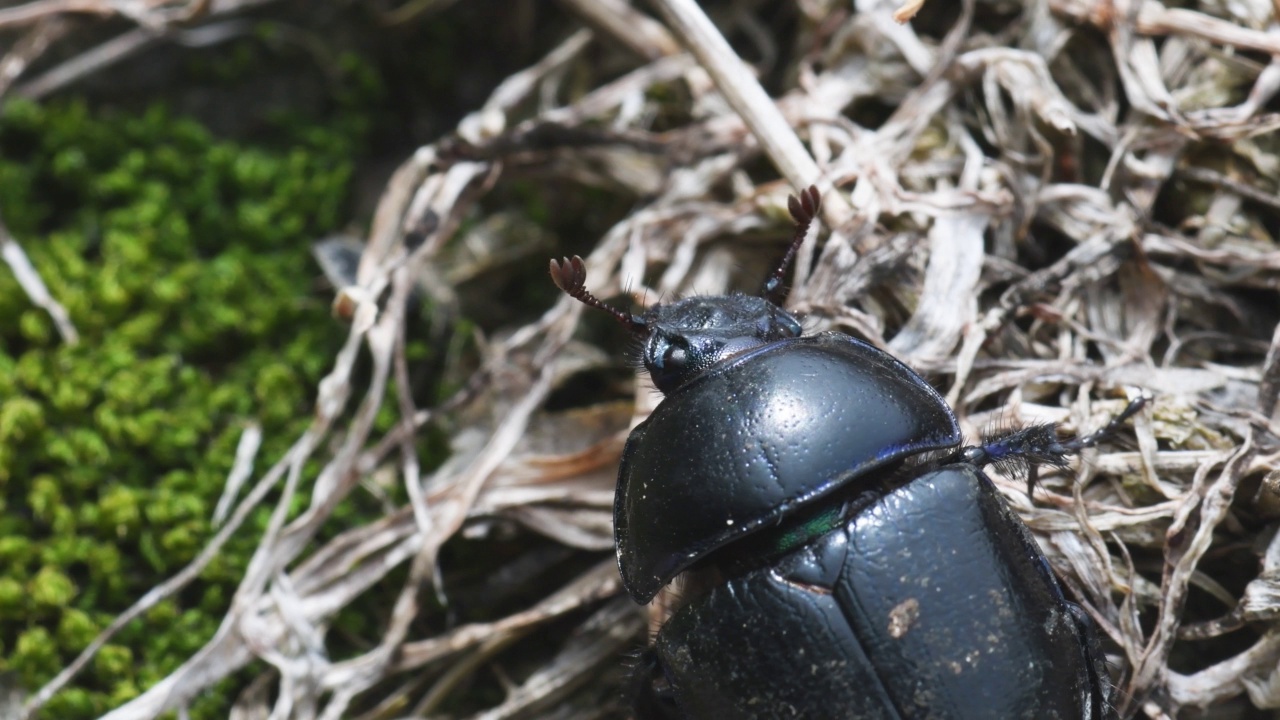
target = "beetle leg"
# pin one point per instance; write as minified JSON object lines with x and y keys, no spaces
{"x":647,"y":691}
{"x":1099,"y":692}
{"x":1020,"y":452}
{"x":1111,"y":428}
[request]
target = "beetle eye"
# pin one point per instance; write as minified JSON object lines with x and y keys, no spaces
{"x":778,"y":325}
{"x":666,"y":361}
{"x":674,"y":358}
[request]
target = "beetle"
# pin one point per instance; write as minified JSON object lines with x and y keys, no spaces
{"x":841,"y":554}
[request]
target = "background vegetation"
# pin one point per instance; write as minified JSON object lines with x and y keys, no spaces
{"x":304,"y":245}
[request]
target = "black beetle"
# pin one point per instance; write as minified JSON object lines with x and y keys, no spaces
{"x":842,"y":555}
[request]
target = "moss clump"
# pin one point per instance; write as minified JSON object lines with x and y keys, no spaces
{"x":184,"y":263}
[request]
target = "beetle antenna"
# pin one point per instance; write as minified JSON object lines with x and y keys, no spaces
{"x":570,"y":275}
{"x":804,"y":208}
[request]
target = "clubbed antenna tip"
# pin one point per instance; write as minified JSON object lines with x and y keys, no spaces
{"x":570,"y":275}
{"x":804,"y":208}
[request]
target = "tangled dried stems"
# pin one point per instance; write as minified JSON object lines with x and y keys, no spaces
{"x":1065,"y":203}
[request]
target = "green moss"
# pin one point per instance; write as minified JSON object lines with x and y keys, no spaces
{"x":13,"y":599}
{"x":51,"y":588}
{"x":184,"y":263}
{"x":76,"y":630}
{"x":20,"y":418}
{"x":34,"y":655}
{"x":113,"y":661}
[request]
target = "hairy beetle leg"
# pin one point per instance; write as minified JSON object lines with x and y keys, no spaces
{"x":1110,"y":428}
{"x":1020,"y":452}
{"x":647,"y":692}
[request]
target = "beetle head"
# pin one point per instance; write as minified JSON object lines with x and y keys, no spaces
{"x":686,"y":337}
{"x":681,"y":340}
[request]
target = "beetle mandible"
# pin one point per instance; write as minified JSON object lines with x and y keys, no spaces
{"x":842,"y":555}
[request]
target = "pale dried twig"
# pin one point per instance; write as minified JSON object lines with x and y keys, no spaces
{"x":27,"y":276}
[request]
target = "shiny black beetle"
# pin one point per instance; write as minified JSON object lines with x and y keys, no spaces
{"x":842,"y":555}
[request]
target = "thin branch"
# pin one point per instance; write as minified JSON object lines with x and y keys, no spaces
{"x":743,"y":92}
{"x":36,"y":290}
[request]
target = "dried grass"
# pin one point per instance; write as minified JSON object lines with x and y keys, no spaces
{"x":1068,"y":204}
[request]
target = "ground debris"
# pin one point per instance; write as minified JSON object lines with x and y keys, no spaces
{"x":1048,"y":208}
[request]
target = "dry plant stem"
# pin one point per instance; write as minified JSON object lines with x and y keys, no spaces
{"x":269,"y":557}
{"x":43,"y":9}
{"x":1269,"y":387}
{"x":606,"y":633}
{"x":280,"y":545}
{"x":270,"y":560}
{"x":1181,"y":557}
{"x":25,"y":273}
{"x":1155,"y":19}
{"x":371,"y":667}
{"x":907,"y":10}
{"x":920,"y":104}
{"x":975,"y":208}
{"x":455,"y":675}
{"x":388,"y":212}
{"x":491,"y":119}
{"x":1228,"y":678}
{"x":143,"y":12}
{"x":406,"y":607}
{"x":743,"y":92}
{"x":162,"y":591}
{"x":223,"y":653}
{"x":193,"y":10}
{"x":241,"y":470}
{"x":26,"y":50}
{"x":411,"y":10}
{"x":362,"y":672}
{"x":226,"y":651}
{"x":627,"y":26}
{"x":605,"y":99}
{"x":1255,"y":667}
{"x":946,"y":304}
{"x":123,"y":46}
{"x":1214,"y":177}
{"x":599,"y":582}
{"x":388,"y":217}
{"x":393,"y":704}
{"x":88,"y":62}
{"x":408,"y":425}
{"x":381,"y":339}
